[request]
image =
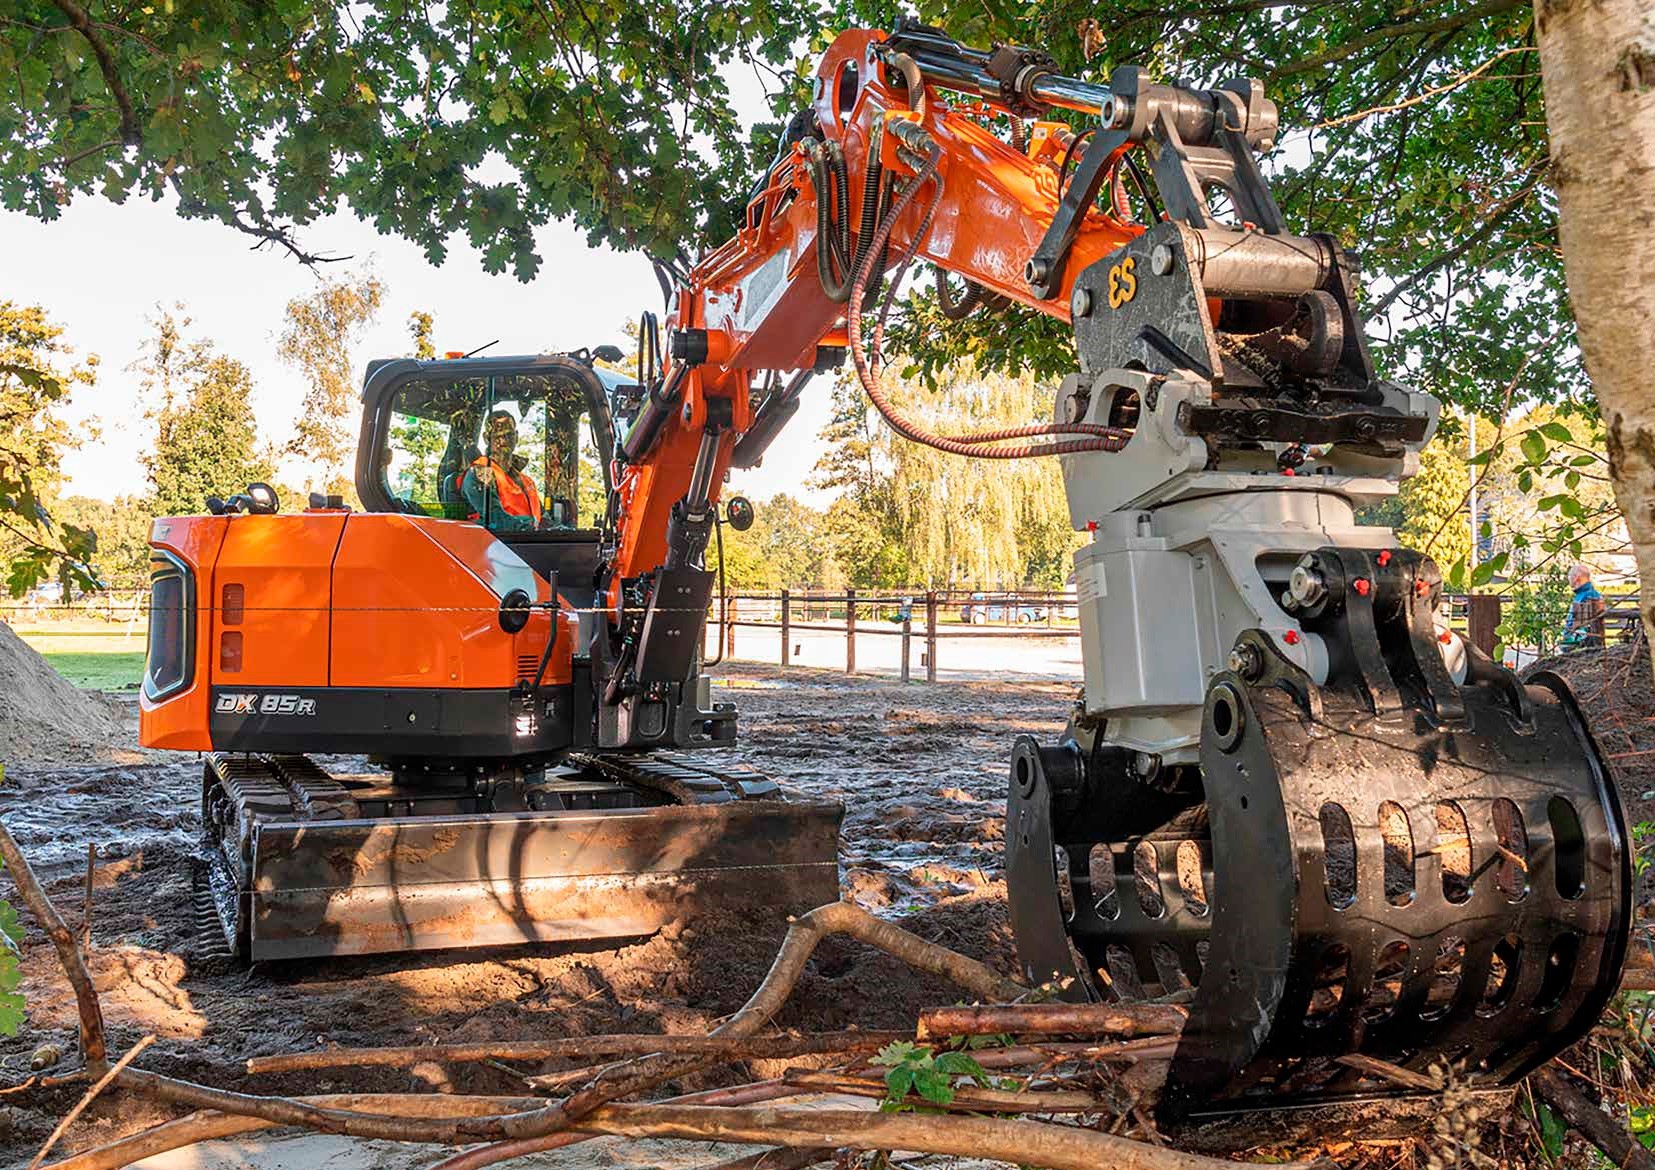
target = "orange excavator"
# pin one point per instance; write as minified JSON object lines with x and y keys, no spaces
{"x":1288,"y":793}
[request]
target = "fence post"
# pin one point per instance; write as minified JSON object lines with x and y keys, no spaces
{"x":1482,"y":618}
{"x":730,"y":630}
{"x":850,"y":630}
{"x":930,"y":635}
{"x":907,"y":634}
{"x":787,"y":631}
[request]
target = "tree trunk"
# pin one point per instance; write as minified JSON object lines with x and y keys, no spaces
{"x":1597,"y":60}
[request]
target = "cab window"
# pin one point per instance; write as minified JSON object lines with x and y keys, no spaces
{"x":513,"y":452}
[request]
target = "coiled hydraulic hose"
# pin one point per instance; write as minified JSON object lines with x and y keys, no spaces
{"x":1097,"y":438}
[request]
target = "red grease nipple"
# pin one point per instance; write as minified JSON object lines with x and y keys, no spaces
{"x":1363,"y":586}
{"x":1291,"y":637}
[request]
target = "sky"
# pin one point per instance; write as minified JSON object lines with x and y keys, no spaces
{"x":102,"y":270}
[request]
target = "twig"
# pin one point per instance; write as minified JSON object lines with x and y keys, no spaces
{"x":730,"y":1047}
{"x":780,"y":1158}
{"x":1385,"y":1070}
{"x":86,"y":998}
{"x":88,"y":1097}
{"x":971,"y":1098}
{"x":86,"y":899}
{"x":1426,"y":95}
{"x":1590,"y":1122}
{"x":1055,"y":1019}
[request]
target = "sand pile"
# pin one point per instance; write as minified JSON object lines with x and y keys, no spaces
{"x":42,"y":716}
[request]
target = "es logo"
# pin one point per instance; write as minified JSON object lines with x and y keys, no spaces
{"x":255,"y":704}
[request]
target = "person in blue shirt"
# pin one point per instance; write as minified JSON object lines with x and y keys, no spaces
{"x":1583,"y":629}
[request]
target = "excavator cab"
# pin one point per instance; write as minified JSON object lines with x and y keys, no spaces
{"x":519,"y":446}
{"x":445,"y":633}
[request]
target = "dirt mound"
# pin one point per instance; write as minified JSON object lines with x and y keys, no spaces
{"x":44,"y":717}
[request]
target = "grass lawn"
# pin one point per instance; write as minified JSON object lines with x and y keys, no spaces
{"x":96,"y":655}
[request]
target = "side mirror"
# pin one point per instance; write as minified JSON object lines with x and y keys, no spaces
{"x":739,"y":514}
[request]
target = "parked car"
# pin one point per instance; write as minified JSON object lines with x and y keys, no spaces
{"x":980,"y":611}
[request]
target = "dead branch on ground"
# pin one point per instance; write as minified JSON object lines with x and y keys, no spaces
{"x":515,"y":1125}
{"x":1589,"y":1121}
{"x":780,"y":1046}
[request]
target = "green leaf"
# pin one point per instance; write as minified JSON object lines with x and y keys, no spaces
{"x":1557,"y":432}
{"x":1482,"y":574}
{"x":899,"y":1082}
{"x":959,"y":1064}
{"x":1552,"y":1130}
{"x":11,"y":930}
{"x":900,"y":1052}
{"x":1533,"y":446}
{"x":934,"y":1086}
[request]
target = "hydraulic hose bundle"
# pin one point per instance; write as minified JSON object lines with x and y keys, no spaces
{"x":916,"y":144}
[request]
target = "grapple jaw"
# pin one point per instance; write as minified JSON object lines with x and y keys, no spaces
{"x":1390,"y":863}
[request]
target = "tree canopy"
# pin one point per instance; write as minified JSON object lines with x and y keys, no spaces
{"x":1416,"y":134}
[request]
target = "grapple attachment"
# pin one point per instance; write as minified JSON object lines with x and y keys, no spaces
{"x":302,"y":866}
{"x":1390,"y":864}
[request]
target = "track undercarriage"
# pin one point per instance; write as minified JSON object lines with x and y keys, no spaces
{"x":305,"y":864}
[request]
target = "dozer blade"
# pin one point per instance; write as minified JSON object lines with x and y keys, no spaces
{"x":352,"y":887}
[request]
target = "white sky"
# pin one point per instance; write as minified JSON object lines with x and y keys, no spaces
{"x":102,"y":269}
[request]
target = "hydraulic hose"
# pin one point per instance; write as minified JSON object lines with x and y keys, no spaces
{"x":832,"y":231}
{"x":950,"y":308}
{"x":1097,"y":438}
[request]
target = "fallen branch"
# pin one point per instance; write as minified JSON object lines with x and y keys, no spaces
{"x":845,"y":918}
{"x":1589,"y":1121}
{"x":729,"y":1047}
{"x":1029,"y":1143}
{"x":88,"y":1097}
{"x":971,"y":1099}
{"x":1055,"y":1019}
{"x":209,"y":1125}
{"x":92,"y":1044}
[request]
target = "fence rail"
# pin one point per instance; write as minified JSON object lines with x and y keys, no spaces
{"x":931,"y":617}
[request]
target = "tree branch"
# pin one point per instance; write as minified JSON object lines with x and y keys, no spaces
{"x":86,"y":996}
{"x":1393,"y":32}
{"x":132,"y":131}
{"x":264,"y":233}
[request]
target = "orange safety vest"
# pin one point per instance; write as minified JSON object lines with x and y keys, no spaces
{"x":516,"y":496}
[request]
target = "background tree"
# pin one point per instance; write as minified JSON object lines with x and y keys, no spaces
{"x":37,"y":374}
{"x":121,"y":558}
{"x":316,"y":339}
{"x":206,"y":436}
{"x":1599,"y":63}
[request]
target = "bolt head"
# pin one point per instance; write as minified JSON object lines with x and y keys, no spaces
{"x":1306,"y":586}
{"x":1080,"y":304}
{"x":1246,"y":661}
{"x":1036,"y":271}
{"x":1161,"y":260}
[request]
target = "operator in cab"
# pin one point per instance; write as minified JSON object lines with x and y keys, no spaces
{"x":495,"y":486}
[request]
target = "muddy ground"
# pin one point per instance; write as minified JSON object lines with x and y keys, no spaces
{"x":921,"y":770}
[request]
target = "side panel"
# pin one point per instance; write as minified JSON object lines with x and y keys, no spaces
{"x":416,"y":603}
{"x":271,"y":590}
{"x":179,"y":721}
